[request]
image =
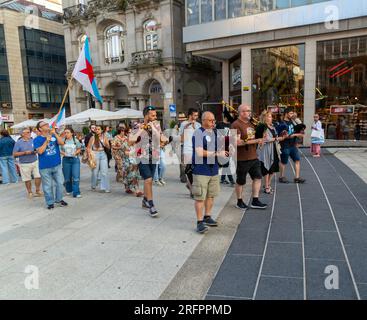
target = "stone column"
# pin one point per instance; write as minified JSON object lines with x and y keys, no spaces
{"x":225,"y":80}
{"x":142,"y":103}
{"x":310,"y":86}
{"x":246,"y":72}
{"x":133,"y":103}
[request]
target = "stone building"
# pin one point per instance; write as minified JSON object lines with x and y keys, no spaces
{"x":138,"y":56}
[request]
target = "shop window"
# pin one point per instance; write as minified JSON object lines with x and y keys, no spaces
{"x":278,"y":78}
{"x":343,"y":84}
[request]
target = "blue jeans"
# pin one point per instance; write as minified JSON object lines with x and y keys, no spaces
{"x":71,"y":170}
{"x":101,"y":171}
{"x":52,"y":177}
{"x":161,"y":167}
{"x":8,"y":170}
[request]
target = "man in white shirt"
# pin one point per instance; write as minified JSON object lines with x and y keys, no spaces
{"x":186,"y":132}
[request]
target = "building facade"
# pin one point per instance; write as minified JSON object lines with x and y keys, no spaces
{"x":138,"y":56}
{"x":32,"y":61}
{"x":308,"y":54}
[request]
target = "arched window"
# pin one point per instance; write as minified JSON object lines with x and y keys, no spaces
{"x":114,"y":44}
{"x":155,"y":87}
{"x":150,"y":35}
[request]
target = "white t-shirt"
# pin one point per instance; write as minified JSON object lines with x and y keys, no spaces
{"x":188,"y":134}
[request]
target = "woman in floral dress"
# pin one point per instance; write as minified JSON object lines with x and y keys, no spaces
{"x":116,"y":145}
{"x":131,"y":176}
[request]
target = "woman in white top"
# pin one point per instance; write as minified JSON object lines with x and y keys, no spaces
{"x":317,"y":137}
{"x":71,"y":163}
{"x":96,"y":149}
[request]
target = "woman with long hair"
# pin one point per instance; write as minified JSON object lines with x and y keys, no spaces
{"x":71,"y":163}
{"x":269,"y":152}
{"x":117,"y":154}
{"x":130,"y":176}
{"x":97,"y":147}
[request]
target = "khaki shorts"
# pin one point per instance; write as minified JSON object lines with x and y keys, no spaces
{"x":205,"y":187}
{"x":29,"y":169}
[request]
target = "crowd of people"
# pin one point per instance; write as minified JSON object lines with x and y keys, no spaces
{"x":207,"y":153}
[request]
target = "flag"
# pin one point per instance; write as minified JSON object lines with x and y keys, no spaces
{"x":58,"y":120}
{"x":83,"y":72}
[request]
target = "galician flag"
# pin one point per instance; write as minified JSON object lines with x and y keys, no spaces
{"x":83,"y":72}
{"x":59,"y":120}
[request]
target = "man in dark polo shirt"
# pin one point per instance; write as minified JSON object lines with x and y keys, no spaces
{"x":247,"y":161}
{"x":205,"y":169}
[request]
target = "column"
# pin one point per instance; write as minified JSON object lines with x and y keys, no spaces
{"x":133,"y":103}
{"x":225,"y":80}
{"x":141,"y":103}
{"x":310,"y":84}
{"x":246,"y":72}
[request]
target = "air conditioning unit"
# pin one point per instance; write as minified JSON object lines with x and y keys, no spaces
{"x":6,"y":105}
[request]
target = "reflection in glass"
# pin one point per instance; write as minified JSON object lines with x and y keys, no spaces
{"x":278,"y":78}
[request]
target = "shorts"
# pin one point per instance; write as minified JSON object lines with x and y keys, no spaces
{"x":292,"y":152}
{"x":205,"y":187}
{"x":147,"y":170}
{"x":27,"y":170}
{"x":251,"y":167}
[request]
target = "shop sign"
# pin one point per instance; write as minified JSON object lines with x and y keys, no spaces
{"x":337,"y":110}
{"x":236,"y":76}
{"x":276,"y":109}
{"x":6,"y":118}
{"x":172,"y":110}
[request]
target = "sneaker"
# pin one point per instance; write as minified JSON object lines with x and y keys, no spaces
{"x":50,"y":207}
{"x":202,"y":227}
{"x":209,"y":221}
{"x":62,"y":203}
{"x":78,"y":196}
{"x":68,"y":193}
{"x":241,"y":205}
{"x":145,"y":204}
{"x":257,"y":204}
{"x":283,"y":180}
{"x":153,"y":211}
{"x":158,"y":183}
{"x":299,"y":180}
{"x":162,"y":182}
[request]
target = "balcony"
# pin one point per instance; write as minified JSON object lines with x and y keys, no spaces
{"x":146,"y":59}
{"x":111,"y":60}
{"x":75,"y":13}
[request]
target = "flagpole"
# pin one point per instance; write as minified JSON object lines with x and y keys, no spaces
{"x":66,"y":93}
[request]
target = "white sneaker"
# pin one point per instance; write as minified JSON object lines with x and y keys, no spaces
{"x":162,"y":182}
{"x":107,"y":191}
{"x":79,"y":196}
{"x":158,"y":183}
{"x":68,"y":193}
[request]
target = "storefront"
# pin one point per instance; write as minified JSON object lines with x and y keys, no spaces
{"x":342,"y":87}
{"x":6,"y":120}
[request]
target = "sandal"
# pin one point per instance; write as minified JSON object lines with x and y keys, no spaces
{"x":268,"y":190}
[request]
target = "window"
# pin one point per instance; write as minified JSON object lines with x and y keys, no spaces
{"x":114,"y":44}
{"x":150,"y":35}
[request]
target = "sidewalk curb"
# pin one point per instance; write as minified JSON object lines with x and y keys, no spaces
{"x":194,"y":279}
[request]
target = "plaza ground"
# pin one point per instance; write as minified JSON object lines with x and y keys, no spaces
{"x":105,"y":246}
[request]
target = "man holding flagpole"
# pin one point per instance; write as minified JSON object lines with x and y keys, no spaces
{"x":47,"y":146}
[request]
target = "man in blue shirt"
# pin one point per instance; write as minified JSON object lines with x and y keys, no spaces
{"x":7,"y":164}
{"x":28,"y":162}
{"x":205,"y":171}
{"x":47,"y":145}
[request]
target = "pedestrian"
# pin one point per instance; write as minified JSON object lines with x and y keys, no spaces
{"x":107,"y":133}
{"x":148,"y":137}
{"x":71,"y":163}
{"x":98,"y":144}
{"x":92,"y":131}
{"x":224,"y":128}
{"x":247,"y":160}
{"x":205,"y":169}
{"x":130,"y":176}
{"x":186,"y":132}
{"x":161,"y":169}
{"x":269,"y":151}
{"x":49,"y":158}
{"x":116,"y":150}
{"x":28,"y":163}
{"x":289,"y":147}
{"x":7,"y":162}
{"x":317,"y":137}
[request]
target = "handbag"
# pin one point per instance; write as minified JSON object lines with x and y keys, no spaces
{"x":92,"y":161}
{"x":317,"y":134}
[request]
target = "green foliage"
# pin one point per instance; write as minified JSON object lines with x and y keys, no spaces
{"x":85,"y":130}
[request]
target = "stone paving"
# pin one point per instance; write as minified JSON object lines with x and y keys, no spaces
{"x":103,"y":246}
{"x":284,"y":252}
